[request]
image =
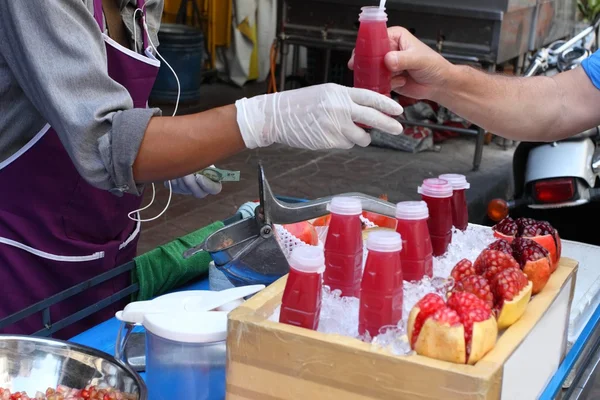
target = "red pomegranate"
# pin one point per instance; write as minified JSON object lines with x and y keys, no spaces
{"x":539,"y":231}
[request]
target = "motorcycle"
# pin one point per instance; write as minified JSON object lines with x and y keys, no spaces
{"x":561,"y":174}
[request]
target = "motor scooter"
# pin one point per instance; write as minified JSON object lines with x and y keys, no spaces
{"x":561,"y":174}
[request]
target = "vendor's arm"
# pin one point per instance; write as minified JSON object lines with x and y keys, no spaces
{"x":56,"y":53}
{"x":176,"y":146}
{"x":532,"y":109}
{"x":316,"y":117}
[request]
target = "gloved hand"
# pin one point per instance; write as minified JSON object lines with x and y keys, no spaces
{"x":195,"y":184}
{"x":316,"y":117}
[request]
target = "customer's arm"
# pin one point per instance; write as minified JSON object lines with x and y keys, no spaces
{"x":532,"y":109}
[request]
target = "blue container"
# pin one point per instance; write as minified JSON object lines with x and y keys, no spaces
{"x":180,"y":370}
{"x":183,"y":48}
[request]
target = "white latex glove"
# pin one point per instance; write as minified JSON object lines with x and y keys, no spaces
{"x":316,"y":117}
{"x":195,"y":184}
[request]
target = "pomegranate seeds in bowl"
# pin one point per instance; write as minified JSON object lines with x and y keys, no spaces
{"x":65,"y":393}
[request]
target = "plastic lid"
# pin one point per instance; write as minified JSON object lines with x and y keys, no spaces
{"x":308,"y":259}
{"x":372,"y":13}
{"x":412,"y":210}
{"x":458,"y":181}
{"x":435,"y":187}
{"x":192,"y":301}
{"x":345,"y":206}
{"x":186,"y":327}
{"x":384,"y":241}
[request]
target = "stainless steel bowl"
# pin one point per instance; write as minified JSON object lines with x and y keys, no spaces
{"x":33,"y":364}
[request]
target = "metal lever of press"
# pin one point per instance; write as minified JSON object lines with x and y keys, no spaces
{"x":273,"y":211}
{"x":232,"y":241}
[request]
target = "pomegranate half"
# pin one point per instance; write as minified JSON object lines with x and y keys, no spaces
{"x":461,"y":331}
{"x":539,"y":231}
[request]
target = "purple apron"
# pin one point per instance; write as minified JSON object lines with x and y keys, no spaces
{"x":56,"y":230}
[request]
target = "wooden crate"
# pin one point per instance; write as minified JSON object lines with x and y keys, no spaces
{"x":267,"y":360}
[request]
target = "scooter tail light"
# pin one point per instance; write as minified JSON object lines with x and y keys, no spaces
{"x":497,"y":210}
{"x":554,"y":190}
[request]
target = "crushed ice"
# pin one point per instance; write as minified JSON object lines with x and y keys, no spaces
{"x":339,"y":315}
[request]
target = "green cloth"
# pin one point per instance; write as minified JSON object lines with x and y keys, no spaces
{"x":164,"y":268}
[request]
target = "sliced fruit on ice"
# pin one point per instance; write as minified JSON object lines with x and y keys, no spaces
{"x":305,"y":231}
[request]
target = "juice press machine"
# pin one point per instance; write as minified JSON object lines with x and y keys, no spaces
{"x":248,"y":253}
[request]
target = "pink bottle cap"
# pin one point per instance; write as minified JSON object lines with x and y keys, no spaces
{"x":458,"y":181}
{"x":345,"y":206}
{"x":384,"y":241}
{"x":372,"y":13}
{"x":435,"y":187}
{"x":412,"y":210}
{"x":308,"y":259}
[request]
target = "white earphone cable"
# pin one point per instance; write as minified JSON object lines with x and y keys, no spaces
{"x":131,"y":215}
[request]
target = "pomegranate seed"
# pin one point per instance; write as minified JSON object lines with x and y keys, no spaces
{"x":507,"y":227}
{"x":477,"y":285}
{"x":501,"y":245}
{"x":462,"y":269}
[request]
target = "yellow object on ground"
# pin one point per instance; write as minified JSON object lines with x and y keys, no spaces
{"x":219,"y":25}
{"x":253,"y":35}
{"x":215,"y":17}
{"x":248,"y":29}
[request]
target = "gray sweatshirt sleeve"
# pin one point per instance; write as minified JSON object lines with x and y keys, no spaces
{"x":56,"y":52}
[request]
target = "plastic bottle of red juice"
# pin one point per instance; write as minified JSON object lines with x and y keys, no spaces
{"x":381,"y":287}
{"x":460,"y":211}
{"x":417,"y":253}
{"x":372,"y":44}
{"x":344,"y":247}
{"x":437,"y":193}
{"x":301,"y":303}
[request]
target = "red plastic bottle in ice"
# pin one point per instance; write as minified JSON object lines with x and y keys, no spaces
{"x":460,"y":210}
{"x":344,"y":247}
{"x":437,"y":193}
{"x":372,"y":44}
{"x":301,"y":303}
{"x":417,"y":253}
{"x":381,"y":290}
